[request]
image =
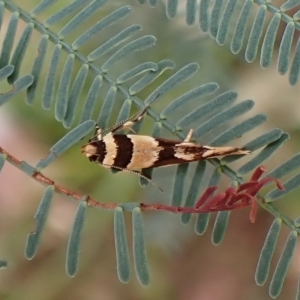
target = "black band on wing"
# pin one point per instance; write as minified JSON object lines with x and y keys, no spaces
{"x":124,"y":151}
{"x":166,"y":156}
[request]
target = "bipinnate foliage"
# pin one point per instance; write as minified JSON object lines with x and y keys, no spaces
{"x":104,"y":74}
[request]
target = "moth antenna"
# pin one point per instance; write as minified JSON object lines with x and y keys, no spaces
{"x":135,"y":172}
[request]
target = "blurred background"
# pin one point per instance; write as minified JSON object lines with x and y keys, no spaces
{"x":182,"y":265}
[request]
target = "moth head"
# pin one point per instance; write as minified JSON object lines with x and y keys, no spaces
{"x":89,"y":150}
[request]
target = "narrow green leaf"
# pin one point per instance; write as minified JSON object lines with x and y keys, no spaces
{"x":215,"y":178}
{"x":296,"y":15}
{"x":265,"y":139}
{"x":190,"y":12}
{"x":2,"y":160}
{"x":266,"y":153}
{"x":71,"y":138}
{"x":151,"y":76}
{"x":37,"y":68}
{"x":19,"y":52}
{"x":171,"y":9}
{"x":223,"y":117}
{"x":114,"y":42}
{"x":124,"y":112}
{"x":285,"y":168}
{"x":238,"y":130}
{"x":73,"y":249}
{"x":180,"y":76}
{"x":220,"y":227}
{"x":139,"y":249}
{"x":6,"y":71}
{"x":224,"y":23}
{"x":123,"y":265}
{"x":198,"y":92}
{"x":204,"y":15}
{"x":289,"y":185}
{"x":65,"y":12}
{"x":9,"y":38}
{"x":297,"y":222}
{"x":179,"y":184}
{"x":48,"y":93}
{"x":152,"y":3}
{"x":240,"y":28}
{"x":63,"y":88}
{"x":3,"y":264}
{"x":208,"y":108}
{"x":202,"y":223}
{"x":82,"y":16}
{"x":19,"y":85}
{"x":215,"y":17}
{"x":134,"y":46}
{"x":289,"y":4}
{"x":111,"y":19}
{"x":267,"y":251}
{"x":74,"y":95}
{"x":283,"y":264}
{"x":257,"y":143}
{"x":255,"y":34}
{"x":41,"y":7}
{"x":91,"y":99}
{"x":136,"y":71}
{"x":295,"y":70}
{"x":40,"y":221}
{"x":106,"y":108}
{"x":191,"y":197}
{"x":285,"y":48}
{"x":269,"y":41}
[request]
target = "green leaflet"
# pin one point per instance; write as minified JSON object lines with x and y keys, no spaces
{"x":73,"y":249}
{"x":123,"y":265}
{"x":40,"y":220}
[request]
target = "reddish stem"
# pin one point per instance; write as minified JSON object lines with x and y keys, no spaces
{"x":258,"y":173}
{"x":208,"y":192}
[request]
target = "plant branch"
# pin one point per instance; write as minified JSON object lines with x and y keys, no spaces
{"x":225,"y":201}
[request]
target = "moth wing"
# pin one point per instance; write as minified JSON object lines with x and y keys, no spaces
{"x":174,"y":152}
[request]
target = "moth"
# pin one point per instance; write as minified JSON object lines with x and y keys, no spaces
{"x":133,"y":152}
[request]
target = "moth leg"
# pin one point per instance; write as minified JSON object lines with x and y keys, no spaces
{"x":97,"y":134}
{"x":128,"y":123}
{"x":133,"y":171}
{"x":131,"y":120}
{"x":189,"y":136}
